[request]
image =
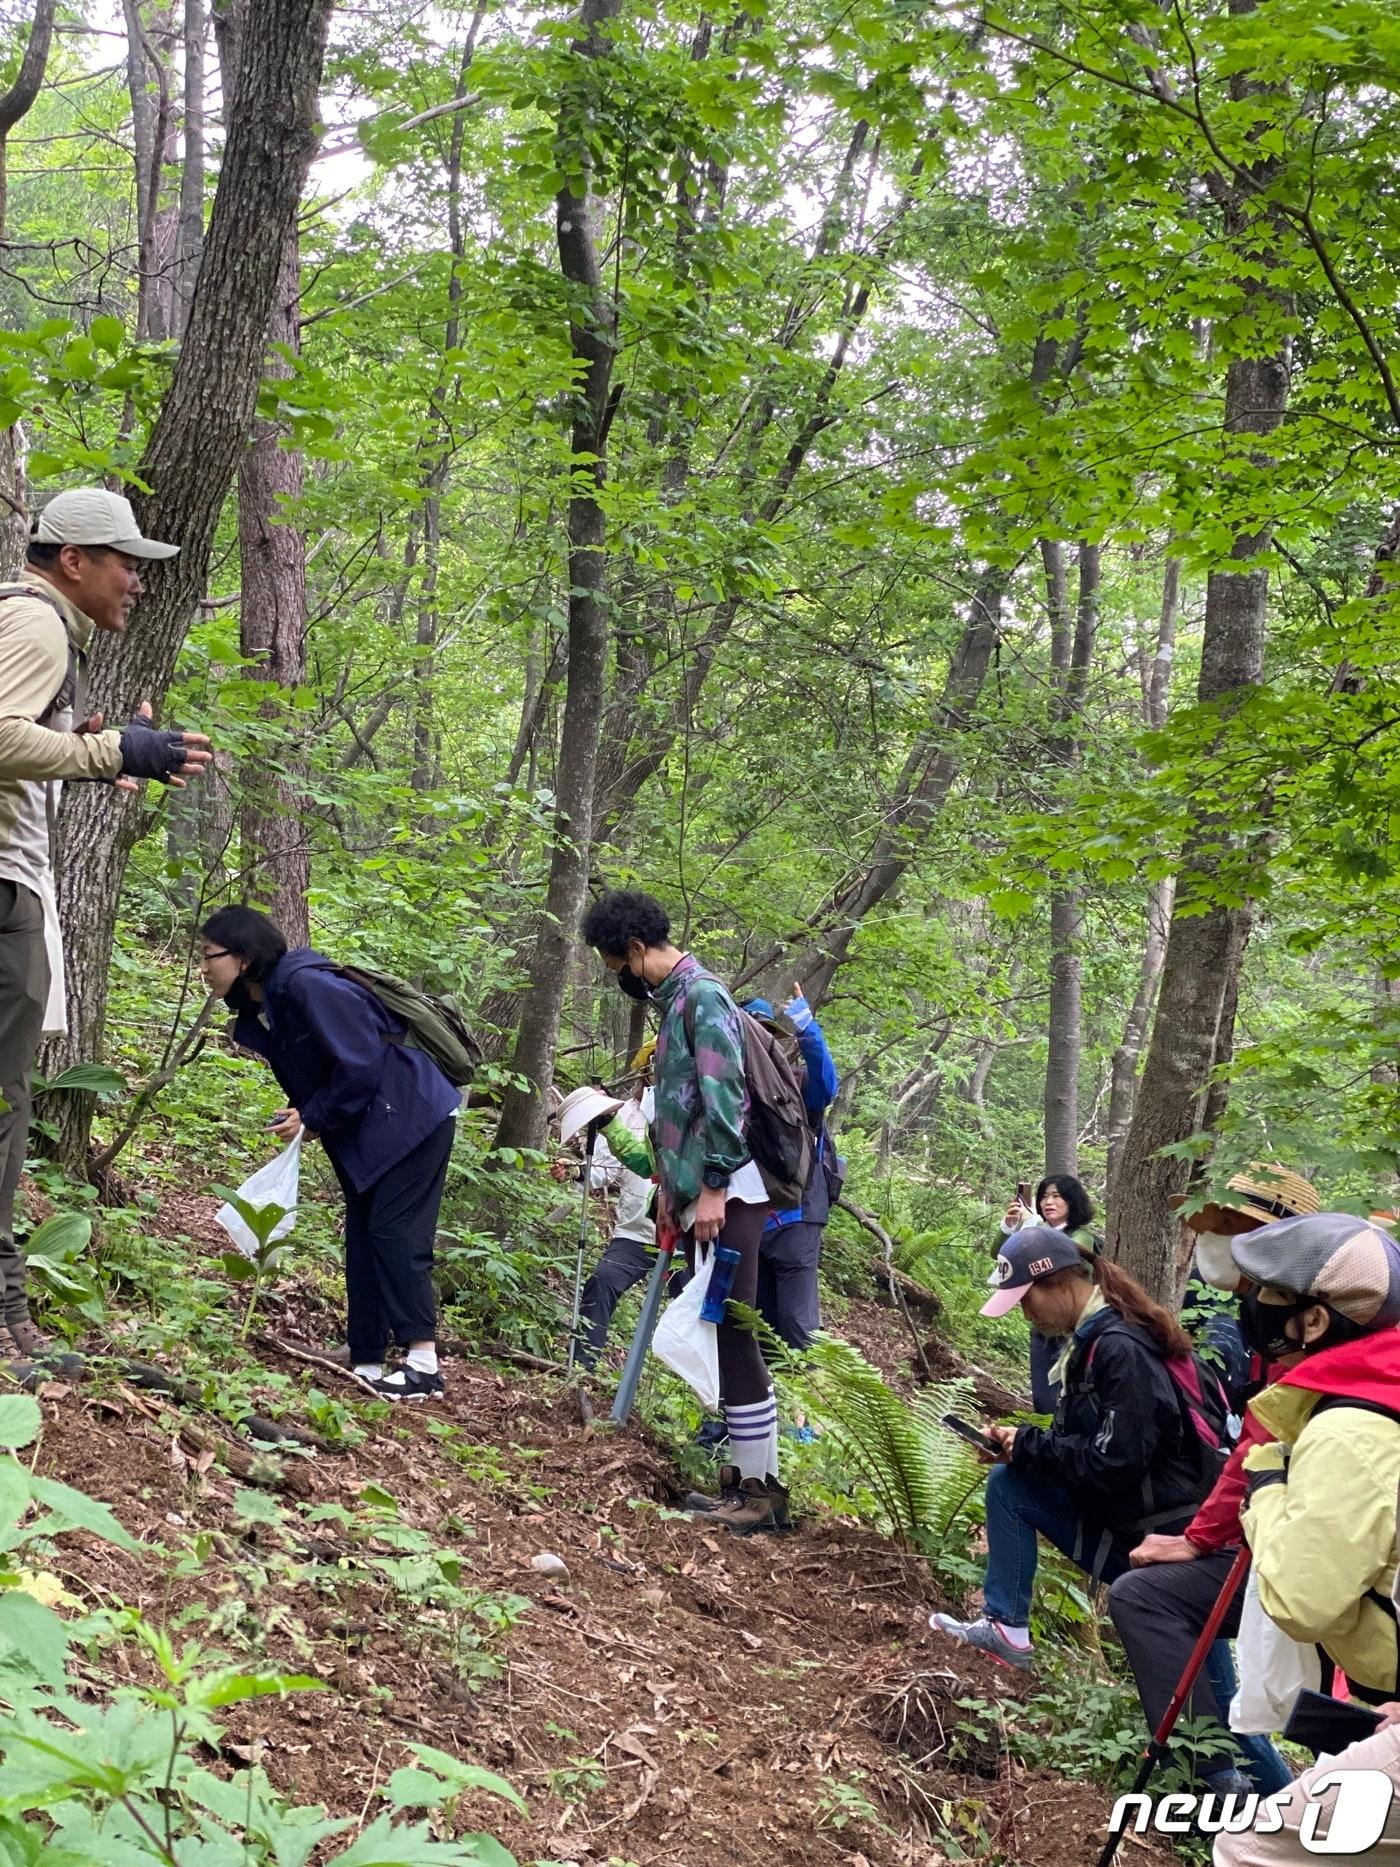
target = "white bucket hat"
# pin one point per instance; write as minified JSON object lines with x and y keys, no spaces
{"x":91,"y":516}
{"x":583,"y":1106}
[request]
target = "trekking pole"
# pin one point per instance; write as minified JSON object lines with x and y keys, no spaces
{"x":582,"y":1245}
{"x":1157,"y":1749}
{"x":646,"y":1328}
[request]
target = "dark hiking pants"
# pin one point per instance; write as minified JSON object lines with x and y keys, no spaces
{"x":788,"y":1298}
{"x":625,"y":1263}
{"x":389,"y":1233}
{"x":1159,"y":1612}
{"x":24,"y":990}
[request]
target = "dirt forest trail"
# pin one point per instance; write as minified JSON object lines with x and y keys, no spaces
{"x":678,"y":1696}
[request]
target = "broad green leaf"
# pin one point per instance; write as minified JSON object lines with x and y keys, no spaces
{"x":32,"y":1635}
{"x":61,"y":1237}
{"x":97,"y":1077}
{"x":385,"y":1844}
{"x":221,"y":1689}
{"x":76,"y":1511}
{"x":20,"y":1419}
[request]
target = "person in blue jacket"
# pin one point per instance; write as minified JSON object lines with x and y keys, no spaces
{"x":789,"y":1300}
{"x":383,"y":1111}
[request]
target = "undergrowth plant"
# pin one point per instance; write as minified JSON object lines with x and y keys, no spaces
{"x":122,"y":1781}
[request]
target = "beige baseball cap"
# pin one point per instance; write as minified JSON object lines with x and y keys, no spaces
{"x":91,"y":516}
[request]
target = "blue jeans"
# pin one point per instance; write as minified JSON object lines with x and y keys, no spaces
{"x":1260,"y":1762}
{"x":1018,"y":1507}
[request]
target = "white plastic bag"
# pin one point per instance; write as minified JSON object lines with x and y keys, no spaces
{"x":1273,"y":1670}
{"x":276,"y":1184}
{"x":685,"y":1343}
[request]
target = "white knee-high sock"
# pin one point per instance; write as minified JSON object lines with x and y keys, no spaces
{"x":753,"y":1437}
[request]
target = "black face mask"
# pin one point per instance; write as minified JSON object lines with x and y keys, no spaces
{"x":1262,"y":1325}
{"x":634,"y":987}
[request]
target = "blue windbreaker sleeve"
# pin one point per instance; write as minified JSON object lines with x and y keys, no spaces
{"x":343,"y":1021}
{"x":819,"y":1090}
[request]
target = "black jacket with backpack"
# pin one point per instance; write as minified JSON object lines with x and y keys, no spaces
{"x":1123,"y":1445}
{"x":340,"y":1057}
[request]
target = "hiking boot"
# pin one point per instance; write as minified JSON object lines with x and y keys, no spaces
{"x":986,"y":1636}
{"x":748,"y":1510}
{"x":407,"y":1384}
{"x":28,"y":1337}
{"x":699,"y":1502}
{"x":783,"y":1521}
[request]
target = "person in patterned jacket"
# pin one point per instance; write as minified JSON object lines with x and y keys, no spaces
{"x":710,"y":1187}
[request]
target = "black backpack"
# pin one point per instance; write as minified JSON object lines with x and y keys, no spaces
{"x":778,"y":1133}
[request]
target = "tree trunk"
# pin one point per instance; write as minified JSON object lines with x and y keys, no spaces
{"x":274,"y":834}
{"x":594,"y":342}
{"x":1156,"y":687}
{"x":1203,"y":950}
{"x":153,"y":133}
{"x":189,"y":462}
{"x":929,"y":774}
{"x":1070,"y":663}
{"x":190,"y":244}
{"x":15,"y":103}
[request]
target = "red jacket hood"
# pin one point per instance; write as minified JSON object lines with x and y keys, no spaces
{"x":1368,"y":1369}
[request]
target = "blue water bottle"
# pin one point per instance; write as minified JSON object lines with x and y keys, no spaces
{"x":721,"y":1283}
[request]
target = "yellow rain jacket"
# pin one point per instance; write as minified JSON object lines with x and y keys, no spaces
{"x":1323,"y":1529}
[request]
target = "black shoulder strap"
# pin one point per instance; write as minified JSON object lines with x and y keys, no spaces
{"x":1330,"y":1402}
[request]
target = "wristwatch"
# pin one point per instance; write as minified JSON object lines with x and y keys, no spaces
{"x":716,"y":1178}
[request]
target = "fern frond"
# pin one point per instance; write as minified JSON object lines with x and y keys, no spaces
{"x":914,"y":1467}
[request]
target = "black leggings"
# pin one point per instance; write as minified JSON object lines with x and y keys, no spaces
{"x":743,"y":1376}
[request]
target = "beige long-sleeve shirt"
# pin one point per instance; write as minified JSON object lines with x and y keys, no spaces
{"x":43,"y":638}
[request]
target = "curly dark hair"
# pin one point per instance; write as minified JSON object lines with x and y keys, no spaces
{"x":1075,"y":1195}
{"x":625,"y":914}
{"x":252,"y":936}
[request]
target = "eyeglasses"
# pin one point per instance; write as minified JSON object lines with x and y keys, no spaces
{"x":220,"y":952}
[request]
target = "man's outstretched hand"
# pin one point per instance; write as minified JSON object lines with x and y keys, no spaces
{"x":149,"y":752}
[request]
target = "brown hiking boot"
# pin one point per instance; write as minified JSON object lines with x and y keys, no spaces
{"x":700,"y":1502}
{"x":783,"y":1521}
{"x":28,"y":1337}
{"x":750,"y":1510}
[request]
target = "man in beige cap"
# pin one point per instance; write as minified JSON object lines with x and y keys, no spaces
{"x":82,"y":574}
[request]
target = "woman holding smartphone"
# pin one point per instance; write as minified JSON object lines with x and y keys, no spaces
{"x":1063,"y":1204}
{"x":383,"y":1111}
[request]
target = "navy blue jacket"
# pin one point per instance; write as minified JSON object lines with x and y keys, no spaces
{"x":819,"y":1087}
{"x":331,"y":1045}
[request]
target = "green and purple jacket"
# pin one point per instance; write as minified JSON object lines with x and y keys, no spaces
{"x":702,"y":1098}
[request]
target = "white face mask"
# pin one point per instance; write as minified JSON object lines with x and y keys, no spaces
{"x":1214,"y":1262}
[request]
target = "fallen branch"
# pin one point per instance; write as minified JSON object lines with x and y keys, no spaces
{"x":268,"y":1472}
{"x":313,"y":1360}
{"x":901,"y":1288}
{"x":69,"y":1366}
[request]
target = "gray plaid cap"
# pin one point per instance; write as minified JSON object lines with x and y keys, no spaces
{"x":1333,"y":1256}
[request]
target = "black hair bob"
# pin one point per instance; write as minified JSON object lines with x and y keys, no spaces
{"x":252,"y":936}
{"x":1075,"y":1195}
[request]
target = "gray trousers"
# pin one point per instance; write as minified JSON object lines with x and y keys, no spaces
{"x":789,"y":1299}
{"x":24,"y":990}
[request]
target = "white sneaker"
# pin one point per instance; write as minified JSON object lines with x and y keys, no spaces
{"x":986,"y":1636}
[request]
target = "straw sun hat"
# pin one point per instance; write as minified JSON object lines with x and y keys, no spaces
{"x":1263,"y":1193}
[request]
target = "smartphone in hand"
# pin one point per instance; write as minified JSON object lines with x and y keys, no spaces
{"x":971,"y":1435}
{"x":1023,"y":1193}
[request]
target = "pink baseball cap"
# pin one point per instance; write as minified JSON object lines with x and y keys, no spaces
{"x":1025,"y":1258}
